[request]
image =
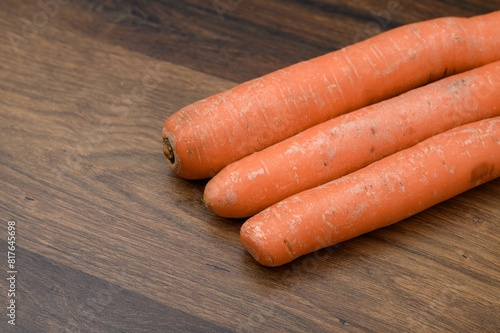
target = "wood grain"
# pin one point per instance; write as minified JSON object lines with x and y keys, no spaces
{"x":109,"y":240}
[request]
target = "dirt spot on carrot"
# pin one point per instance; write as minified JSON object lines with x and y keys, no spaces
{"x":409,"y":130}
{"x":456,"y":84}
{"x":445,"y":71}
{"x":458,"y":39}
{"x":288,"y":245}
{"x":481,"y":173}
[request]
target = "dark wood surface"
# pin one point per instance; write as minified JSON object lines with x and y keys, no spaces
{"x":110,"y":240}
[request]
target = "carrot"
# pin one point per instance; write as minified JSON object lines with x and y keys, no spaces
{"x":202,"y":138}
{"x":349,"y":142}
{"x":378,"y":195}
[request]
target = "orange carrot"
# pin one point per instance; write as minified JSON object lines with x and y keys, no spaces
{"x":349,"y":142}
{"x":202,"y":138}
{"x":378,"y":195}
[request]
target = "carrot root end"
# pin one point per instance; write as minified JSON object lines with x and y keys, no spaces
{"x":168,"y":151}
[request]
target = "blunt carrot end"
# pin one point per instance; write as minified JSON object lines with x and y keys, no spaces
{"x":267,"y":251}
{"x":219,"y":198}
{"x":249,"y":240}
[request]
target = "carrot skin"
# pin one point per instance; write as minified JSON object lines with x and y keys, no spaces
{"x":349,"y":142}
{"x":385,"y":192}
{"x":202,"y":138}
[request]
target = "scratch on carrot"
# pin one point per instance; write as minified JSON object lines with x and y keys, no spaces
{"x":353,"y":67}
{"x":328,"y":84}
{"x":339,"y":88}
{"x":265,"y":167}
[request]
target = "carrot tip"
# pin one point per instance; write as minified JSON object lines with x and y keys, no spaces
{"x":168,"y":150}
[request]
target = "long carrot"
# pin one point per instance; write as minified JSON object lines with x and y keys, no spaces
{"x":378,"y":195}
{"x":349,"y":142}
{"x":202,"y":138}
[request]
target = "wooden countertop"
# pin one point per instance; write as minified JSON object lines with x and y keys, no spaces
{"x":108,"y":239}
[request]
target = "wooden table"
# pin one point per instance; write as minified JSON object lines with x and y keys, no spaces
{"x":108,"y":239}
